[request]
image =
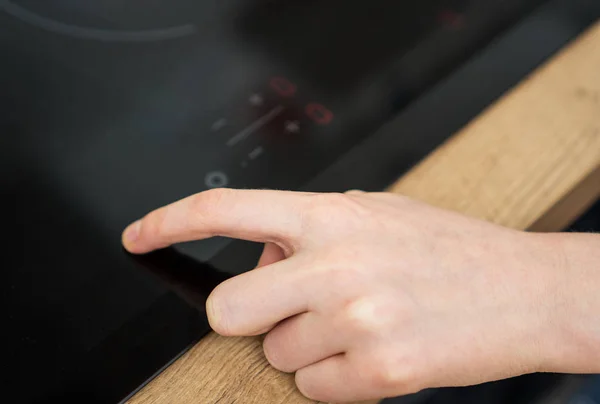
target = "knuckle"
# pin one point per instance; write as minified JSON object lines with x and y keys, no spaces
{"x":202,"y":204}
{"x":333,"y":201}
{"x":365,"y":315}
{"x":307,"y":386}
{"x":326,"y":205}
{"x":273,"y":353}
{"x":394,"y":374}
{"x":153,"y":225}
{"x":334,"y":207}
{"x":209,"y":198}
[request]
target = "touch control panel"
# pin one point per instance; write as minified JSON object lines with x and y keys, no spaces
{"x":272,"y":124}
{"x":243,"y":94}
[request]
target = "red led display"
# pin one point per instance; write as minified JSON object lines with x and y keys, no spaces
{"x":319,"y":114}
{"x":283,"y":86}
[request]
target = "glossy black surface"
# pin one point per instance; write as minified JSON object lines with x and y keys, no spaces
{"x":109,"y":109}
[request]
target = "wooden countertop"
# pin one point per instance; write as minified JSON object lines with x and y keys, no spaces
{"x":531,"y":161}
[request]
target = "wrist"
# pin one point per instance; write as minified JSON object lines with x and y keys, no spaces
{"x":571,"y":323}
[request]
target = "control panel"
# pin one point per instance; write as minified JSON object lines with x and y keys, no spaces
{"x":273,"y":122}
{"x":156,"y":106}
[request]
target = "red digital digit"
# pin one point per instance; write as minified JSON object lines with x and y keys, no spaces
{"x":319,"y":114}
{"x":283,"y":86}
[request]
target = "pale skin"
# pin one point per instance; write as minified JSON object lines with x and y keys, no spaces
{"x":372,"y":295}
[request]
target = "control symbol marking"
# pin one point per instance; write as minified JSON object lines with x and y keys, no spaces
{"x":216,"y":179}
{"x":319,"y":114}
{"x":218,"y":125}
{"x":283,"y":86}
{"x":254,"y":154}
{"x":292,"y":126}
{"x":256,"y":100}
{"x":256,"y":125}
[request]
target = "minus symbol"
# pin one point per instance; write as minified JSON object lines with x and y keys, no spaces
{"x":254,"y":154}
{"x":218,"y":125}
{"x":256,"y":125}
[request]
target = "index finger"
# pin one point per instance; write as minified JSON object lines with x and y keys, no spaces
{"x":253,"y":215}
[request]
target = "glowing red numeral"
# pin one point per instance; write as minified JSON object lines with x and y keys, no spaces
{"x":319,"y":114}
{"x":283,"y":86}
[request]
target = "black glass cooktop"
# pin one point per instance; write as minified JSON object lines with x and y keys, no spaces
{"x":111,"y":108}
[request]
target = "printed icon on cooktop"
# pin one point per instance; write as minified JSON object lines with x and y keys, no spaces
{"x":253,"y":155}
{"x":256,"y":153}
{"x":256,"y":100}
{"x":216,"y":179}
{"x":255,"y":126}
{"x":283,"y":86}
{"x":292,"y":127}
{"x":319,"y":114}
{"x":219,"y":124}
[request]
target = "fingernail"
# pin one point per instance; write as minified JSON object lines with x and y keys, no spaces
{"x":355,"y":192}
{"x":132,"y":232}
{"x":214,"y":315}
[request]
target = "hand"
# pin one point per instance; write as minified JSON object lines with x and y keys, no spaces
{"x":375,"y":295}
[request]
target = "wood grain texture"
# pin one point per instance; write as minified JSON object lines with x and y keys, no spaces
{"x":565,"y":212}
{"x":528,"y":152}
{"x":516,"y":165}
